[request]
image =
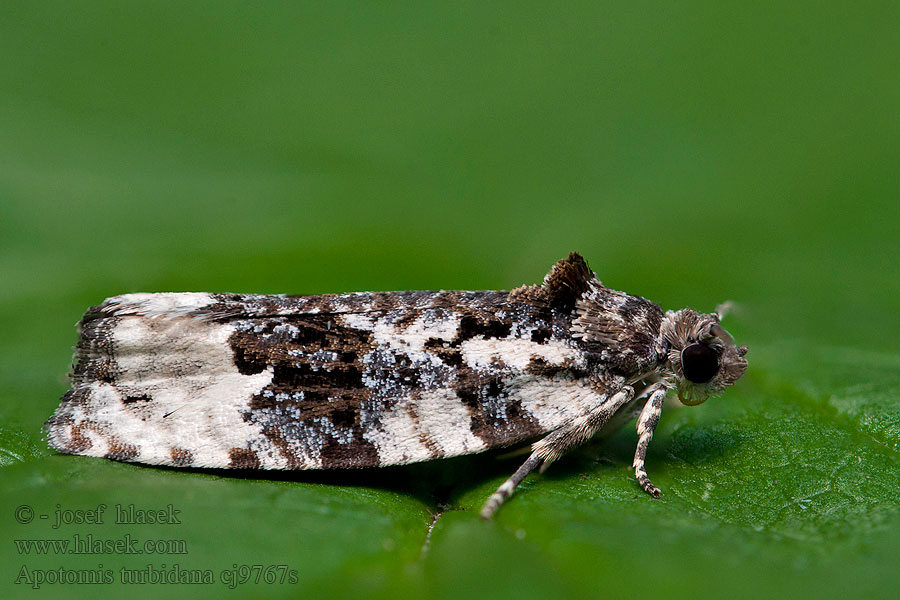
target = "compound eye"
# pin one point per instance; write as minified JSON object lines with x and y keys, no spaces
{"x":699,"y":363}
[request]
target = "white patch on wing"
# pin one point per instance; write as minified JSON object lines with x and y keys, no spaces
{"x":439,"y":418}
{"x":169,"y":305}
{"x":515,"y":353}
{"x":99,"y":443}
{"x":185,"y":393}
{"x":553,"y":401}
{"x":410,"y":338}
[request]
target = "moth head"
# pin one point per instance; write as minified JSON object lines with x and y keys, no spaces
{"x":701,"y":355}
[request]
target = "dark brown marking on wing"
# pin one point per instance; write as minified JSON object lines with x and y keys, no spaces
{"x":540,"y":367}
{"x":482,"y":324}
{"x":449,"y":353}
{"x":94,"y":353}
{"x":541,"y":335}
{"x":338,"y":454}
{"x":412,"y":409}
{"x":278,"y":435}
{"x":120,"y":451}
{"x":181,"y":457}
{"x":247,"y":360}
{"x":242,"y":458}
{"x":80,"y":441}
{"x":136,"y":398}
{"x":316,"y":401}
{"x":496,"y":417}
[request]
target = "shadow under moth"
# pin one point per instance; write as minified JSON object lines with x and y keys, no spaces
{"x":383,"y":378}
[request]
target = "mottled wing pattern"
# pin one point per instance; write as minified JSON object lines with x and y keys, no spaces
{"x":348,"y":380}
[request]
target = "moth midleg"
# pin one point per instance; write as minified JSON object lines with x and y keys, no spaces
{"x":571,"y":434}
{"x":646,"y":424}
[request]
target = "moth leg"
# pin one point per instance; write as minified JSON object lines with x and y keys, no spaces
{"x":557,"y":443}
{"x":646,"y":424}
{"x":506,"y":490}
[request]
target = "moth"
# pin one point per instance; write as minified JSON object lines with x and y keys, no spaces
{"x":383,"y":378}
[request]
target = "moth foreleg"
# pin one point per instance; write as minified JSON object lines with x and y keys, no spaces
{"x":646,"y":424}
{"x":557,"y":443}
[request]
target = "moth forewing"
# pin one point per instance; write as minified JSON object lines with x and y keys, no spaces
{"x":373,"y":379}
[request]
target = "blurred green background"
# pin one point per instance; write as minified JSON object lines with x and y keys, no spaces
{"x":693,"y":152}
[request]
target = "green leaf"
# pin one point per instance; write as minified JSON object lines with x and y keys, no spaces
{"x":692,"y":152}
